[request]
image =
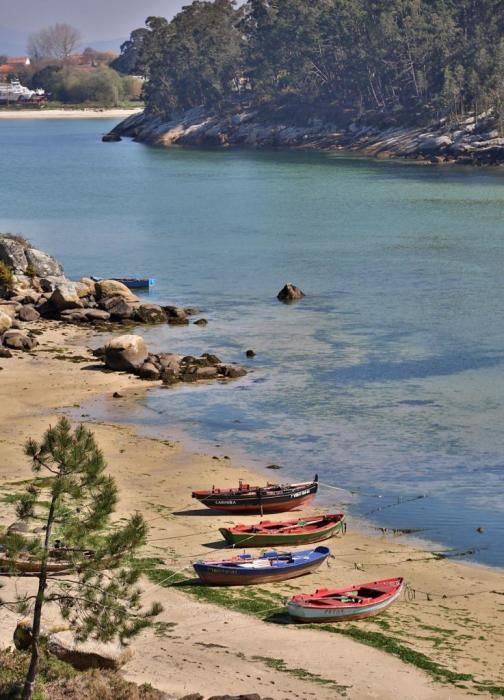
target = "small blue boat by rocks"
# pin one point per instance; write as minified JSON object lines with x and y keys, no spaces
{"x":244,"y":569}
{"x":131,"y":282}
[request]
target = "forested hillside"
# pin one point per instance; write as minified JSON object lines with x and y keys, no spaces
{"x":401,"y":60}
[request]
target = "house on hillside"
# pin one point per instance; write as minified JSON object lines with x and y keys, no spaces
{"x":13,"y":66}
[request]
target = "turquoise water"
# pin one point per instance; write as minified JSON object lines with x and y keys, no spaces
{"x":387,"y":379}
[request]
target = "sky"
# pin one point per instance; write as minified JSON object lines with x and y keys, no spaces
{"x":97,"y":20}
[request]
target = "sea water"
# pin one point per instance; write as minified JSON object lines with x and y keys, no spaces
{"x":386,"y":380}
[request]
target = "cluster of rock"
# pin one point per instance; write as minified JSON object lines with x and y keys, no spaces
{"x":33,"y":285}
{"x":474,"y":139}
{"x":128,"y":353}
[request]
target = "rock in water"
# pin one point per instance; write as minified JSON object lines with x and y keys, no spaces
{"x":150,"y":313}
{"x":127,"y":353}
{"x":290,"y":293}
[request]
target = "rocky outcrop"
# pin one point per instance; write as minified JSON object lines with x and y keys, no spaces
{"x":129,"y":353}
{"x":290,"y":293}
{"x":474,"y":139}
{"x":45,"y":293}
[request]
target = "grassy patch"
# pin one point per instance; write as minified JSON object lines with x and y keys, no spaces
{"x":392,"y":646}
{"x":279,"y":665}
{"x":263,"y":603}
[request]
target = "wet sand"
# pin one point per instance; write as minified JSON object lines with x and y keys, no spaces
{"x":454,"y":619}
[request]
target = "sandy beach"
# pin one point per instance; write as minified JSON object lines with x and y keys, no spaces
{"x":90,"y":113}
{"x":452,"y":624}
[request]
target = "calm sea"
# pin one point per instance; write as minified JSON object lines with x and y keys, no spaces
{"x":386,"y":380}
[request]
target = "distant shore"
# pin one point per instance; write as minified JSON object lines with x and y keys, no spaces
{"x":90,"y":113}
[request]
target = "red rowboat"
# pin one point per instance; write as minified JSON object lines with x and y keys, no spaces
{"x":341,"y":604}
{"x":267,"y":533}
{"x":272,"y":498}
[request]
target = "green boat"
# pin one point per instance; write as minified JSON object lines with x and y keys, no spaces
{"x":268,"y":533}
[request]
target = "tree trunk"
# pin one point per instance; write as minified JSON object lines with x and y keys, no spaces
{"x":29,"y":683}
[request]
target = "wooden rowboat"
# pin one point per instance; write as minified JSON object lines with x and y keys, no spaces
{"x":244,"y":569}
{"x":341,"y":604}
{"x":268,"y":533}
{"x":31,"y":566}
{"x":272,"y":498}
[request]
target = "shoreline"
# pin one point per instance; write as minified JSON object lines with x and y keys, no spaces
{"x":472,"y":140}
{"x":84,"y":113}
{"x":156,"y":476}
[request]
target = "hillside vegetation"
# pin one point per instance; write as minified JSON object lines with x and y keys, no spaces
{"x":394,"y":61}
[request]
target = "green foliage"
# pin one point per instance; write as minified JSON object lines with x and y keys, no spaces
{"x":6,"y":277}
{"x":71,"y":84}
{"x":100,"y":597}
{"x":335,"y":57}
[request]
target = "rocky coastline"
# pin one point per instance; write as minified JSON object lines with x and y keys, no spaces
{"x":474,"y":139}
{"x":34,"y":288}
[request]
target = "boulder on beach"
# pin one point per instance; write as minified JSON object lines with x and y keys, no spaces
{"x":86,"y":655}
{"x":65,"y":296}
{"x":17,"y":340}
{"x":290,"y":293}
{"x":42,"y":264}
{"x":126,"y":353}
{"x":28,"y":313}
{"x":12,"y":253}
{"x":5,"y":322}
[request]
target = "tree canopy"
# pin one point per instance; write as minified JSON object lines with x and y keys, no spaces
{"x":57,"y":41}
{"x":415,"y":57}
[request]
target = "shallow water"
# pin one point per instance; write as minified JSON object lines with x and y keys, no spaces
{"x":387,"y":379}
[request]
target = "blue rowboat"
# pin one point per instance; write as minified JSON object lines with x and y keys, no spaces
{"x":245,"y":569}
{"x":130,"y":282}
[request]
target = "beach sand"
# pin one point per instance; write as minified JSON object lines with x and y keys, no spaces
{"x":90,"y":113}
{"x":211,"y":649}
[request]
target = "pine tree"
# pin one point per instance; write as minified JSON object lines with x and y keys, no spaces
{"x":97,"y":594}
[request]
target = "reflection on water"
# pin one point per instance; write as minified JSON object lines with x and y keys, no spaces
{"x":386,"y":379}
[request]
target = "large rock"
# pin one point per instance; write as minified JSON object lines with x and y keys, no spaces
{"x":290,"y":293}
{"x":12,"y":253}
{"x":49,"y":284}
{"x":430,"y":143}
{"x":17,"y":340}
{"x":149,"y":371}
{"x":150,"y":313}
{"x":5,"y":322}
{"x":10,"y":307}
{"x":28,"y":313}
{"x":112,"y":288}
{"x":65,"y":296}
{"x":126,"y":353}
{"x":119,"y":307}
{"x":42,"y":264}
{"x":86,"y":655}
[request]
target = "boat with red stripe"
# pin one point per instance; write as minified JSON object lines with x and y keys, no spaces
{"x":349,"y":603}
{"x":272,"y":498}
